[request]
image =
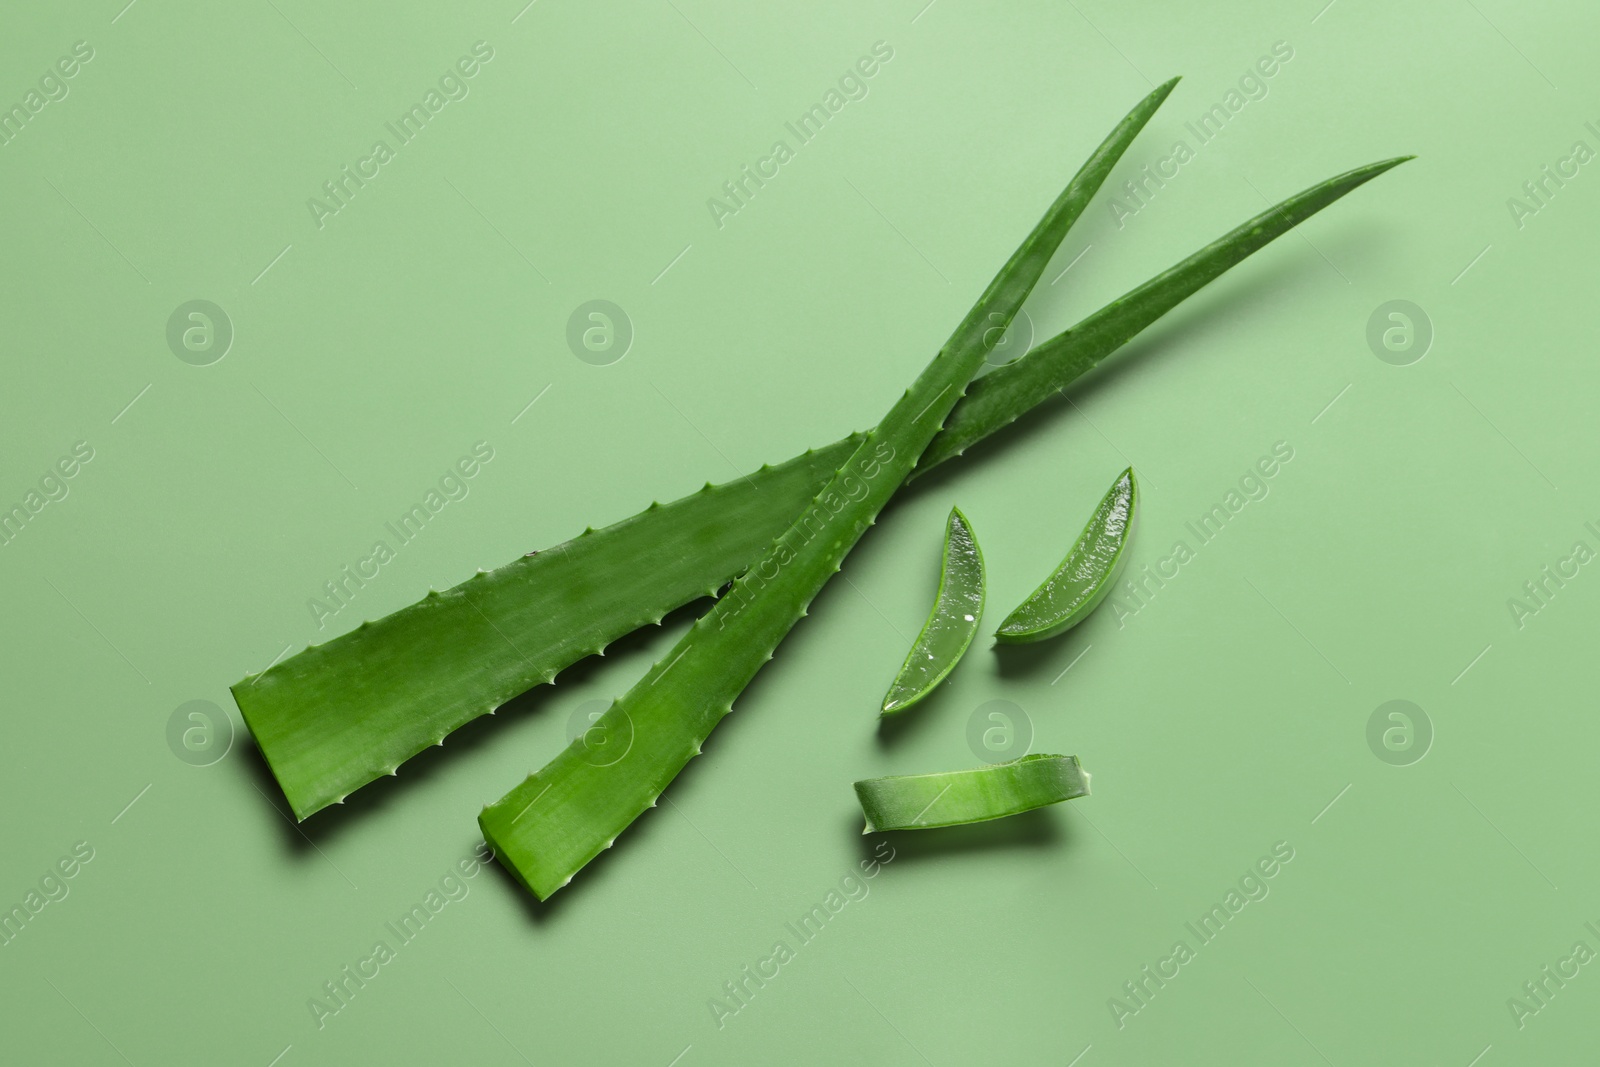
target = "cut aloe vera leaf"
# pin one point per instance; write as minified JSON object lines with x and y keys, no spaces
{"x":561,"y":817}
{"x":342,"y":714}
{"x":957,"y":609}
{"x":336,"y":716}
{"x":1086,"y":575}
{"x":955,"y":798}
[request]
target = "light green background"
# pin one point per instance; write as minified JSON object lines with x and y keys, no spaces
{"x":1222,"y":718}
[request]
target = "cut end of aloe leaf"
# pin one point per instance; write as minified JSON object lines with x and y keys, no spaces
{"x":1085,"y":576}
{"x":956,"y":798}
{"x":516,"y":827}
{"x":523,"y":872}
{"x":952,"y":622}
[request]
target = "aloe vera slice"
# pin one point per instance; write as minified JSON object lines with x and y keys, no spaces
{"x":336,"y":716}
{"x":1085,"y":576}
{"x":957,"y":608}
{"x":561,"y":817}
{"x":954,"y":798}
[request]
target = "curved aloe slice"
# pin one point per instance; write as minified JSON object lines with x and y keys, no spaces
{"x":339,"y":715}
{"x":546,"y":829}
{"x":951,"y":624}
{"x":1087,"y":574}
{"x":954,"y":798}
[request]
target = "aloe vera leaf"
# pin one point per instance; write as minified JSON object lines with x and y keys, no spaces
{"x":955,"y":798}
{"x":998,"y":399}
{"x":549,"y":827}
{"x":342,"y":714}
{"x":952,"y":622}
{"x":339,"y":715}
{"x":1076,"y":587}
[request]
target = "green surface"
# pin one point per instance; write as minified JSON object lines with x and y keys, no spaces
{"x":1221,"y":711}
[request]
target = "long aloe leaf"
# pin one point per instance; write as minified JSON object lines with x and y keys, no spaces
{"x":339,"y":715}
{"x":955,"y":798}
{"x":345,"y":713}
{"x":561,"y":817}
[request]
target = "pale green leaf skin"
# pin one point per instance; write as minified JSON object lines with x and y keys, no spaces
{"x":952,"y":622}
{"x":955,"y":798}
{"x":339,"y":715}
{"x":560,"y":818}
{"x":1081,"y":581}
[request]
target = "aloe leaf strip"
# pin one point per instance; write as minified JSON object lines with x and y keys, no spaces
{"x":952,"y":622}
{"x":339,"y":715}
{"x":549,"y":827}
{"x":1081,"y":581}
{"x":955,"y":798}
